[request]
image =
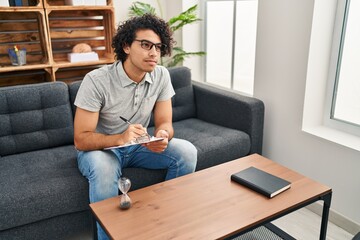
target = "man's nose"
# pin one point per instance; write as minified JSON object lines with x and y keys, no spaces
{"x":153,"y":50}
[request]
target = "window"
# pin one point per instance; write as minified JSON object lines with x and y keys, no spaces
{"x":230,"y":43}
{"x":345,"y":105}
{"x":343,"y":97}
{"x":331,"y":106}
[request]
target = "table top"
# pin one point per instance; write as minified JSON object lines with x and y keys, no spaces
{"x":205,"y":204}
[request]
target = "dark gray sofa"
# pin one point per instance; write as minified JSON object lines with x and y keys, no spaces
{"x":42,"y":193}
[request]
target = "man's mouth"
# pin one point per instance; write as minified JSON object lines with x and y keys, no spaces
{"x":151,"y":61}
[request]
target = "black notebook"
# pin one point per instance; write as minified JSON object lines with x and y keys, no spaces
{"x":260,"y":181}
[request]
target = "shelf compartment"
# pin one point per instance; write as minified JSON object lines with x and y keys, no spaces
{"x":24,"y":77}
{"x":69,"y":75}
{"x":62,"y":3}
{"x":68,"y":28}
{"x":24,"y":29}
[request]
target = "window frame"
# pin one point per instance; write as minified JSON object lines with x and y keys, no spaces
{"x":334,"y":69}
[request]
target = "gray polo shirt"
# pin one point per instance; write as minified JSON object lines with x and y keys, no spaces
{"x":109,"y":91}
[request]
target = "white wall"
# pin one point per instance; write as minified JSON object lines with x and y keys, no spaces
{"x":189,"y":33}
{"x":283,"y":39}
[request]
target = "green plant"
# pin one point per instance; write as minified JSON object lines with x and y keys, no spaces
{"x":177,"y":22}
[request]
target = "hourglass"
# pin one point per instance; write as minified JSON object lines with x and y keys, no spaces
{"x":124,"y":186}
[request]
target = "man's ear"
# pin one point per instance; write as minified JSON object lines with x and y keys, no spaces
{"x":126,"y":49}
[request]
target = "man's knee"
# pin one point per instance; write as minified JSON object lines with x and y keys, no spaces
{"x":98,"y":164}
{"x":187,"y":154}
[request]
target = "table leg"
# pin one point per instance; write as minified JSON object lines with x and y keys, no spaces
{"x":94,"y":228}
{"x":325,"y":215}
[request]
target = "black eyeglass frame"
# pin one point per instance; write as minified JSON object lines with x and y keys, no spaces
{"x":159,"y":47}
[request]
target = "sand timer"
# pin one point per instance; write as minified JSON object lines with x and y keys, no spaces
{"x":124,"y":186}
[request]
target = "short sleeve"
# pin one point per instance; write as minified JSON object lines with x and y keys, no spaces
{"x":167,"y":90}
{"x":88,"y":96}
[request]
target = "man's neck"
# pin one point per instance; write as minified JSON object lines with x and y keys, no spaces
{"x":133,"y":73}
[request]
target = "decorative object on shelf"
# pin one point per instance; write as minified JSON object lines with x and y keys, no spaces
{"x":100,"y":2}
{"x":86,"y":2}
{"x":17,"y":57}
{"x":177,"y":22}
{"x":90,"y":2}
{"x":81,"y":48}
{"x":82,"y":52}
{"x":15,"y":3}
{"x":4,"y":3}
{"x":75,"y":2}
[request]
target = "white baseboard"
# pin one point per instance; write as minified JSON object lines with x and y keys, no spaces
{"x":336,"y":218}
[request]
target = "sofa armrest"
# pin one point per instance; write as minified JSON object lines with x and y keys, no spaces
{"x":232,"y":110}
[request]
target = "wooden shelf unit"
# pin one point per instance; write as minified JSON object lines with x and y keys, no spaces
{"x":48,"y":31}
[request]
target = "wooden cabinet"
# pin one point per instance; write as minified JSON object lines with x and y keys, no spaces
{"x":48,"y":30}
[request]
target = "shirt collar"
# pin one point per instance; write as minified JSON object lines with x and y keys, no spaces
{"x":126,"y":81}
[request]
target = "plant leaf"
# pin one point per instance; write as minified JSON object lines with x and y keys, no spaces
{"x":180,"y":56}
{"x":184,"y":18}
{"x":139,"y":9}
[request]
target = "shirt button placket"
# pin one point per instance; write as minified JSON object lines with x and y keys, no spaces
{"x":136,"y":95}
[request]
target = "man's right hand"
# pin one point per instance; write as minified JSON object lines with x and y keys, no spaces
{"x":133,"y":132}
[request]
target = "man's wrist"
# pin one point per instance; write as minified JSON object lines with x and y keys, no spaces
{"x":165,"y":130}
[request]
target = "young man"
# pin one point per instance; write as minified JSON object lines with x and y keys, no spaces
{"x":133,"y":87}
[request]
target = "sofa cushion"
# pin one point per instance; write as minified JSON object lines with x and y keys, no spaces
{"x":183,"y":101}
{"x":40,"y":184}
{"x":215,"y":144}
{"x":34,"y":117}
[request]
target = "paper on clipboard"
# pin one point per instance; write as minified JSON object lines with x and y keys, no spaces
{"x":152,"y":139}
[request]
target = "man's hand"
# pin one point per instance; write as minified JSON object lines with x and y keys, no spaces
{"x":159,"y":146}
{"x":133,"y":132}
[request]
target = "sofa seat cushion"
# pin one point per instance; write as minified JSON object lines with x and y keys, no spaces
{"x":215,"y":144}
{"x":40,"y":184}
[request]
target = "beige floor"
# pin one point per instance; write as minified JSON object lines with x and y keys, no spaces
{"x":305,"y":225}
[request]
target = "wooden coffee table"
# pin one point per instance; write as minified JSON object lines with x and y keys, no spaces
{"x":208,"y":205}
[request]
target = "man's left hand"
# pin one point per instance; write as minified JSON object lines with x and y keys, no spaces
{"x":159,"y":146}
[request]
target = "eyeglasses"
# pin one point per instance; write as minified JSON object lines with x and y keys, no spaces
{"x":147,"y":45}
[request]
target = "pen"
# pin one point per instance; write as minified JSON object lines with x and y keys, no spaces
{"x":17,"y":54}
{"x":128,"y":122}
{"x":125,"y":120}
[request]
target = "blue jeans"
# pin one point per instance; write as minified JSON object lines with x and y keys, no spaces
{"x":103,"y":168}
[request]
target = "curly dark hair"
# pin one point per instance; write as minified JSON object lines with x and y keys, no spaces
{"x":126,"y":34}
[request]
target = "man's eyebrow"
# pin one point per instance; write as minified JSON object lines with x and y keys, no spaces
{"x":149,"y":41}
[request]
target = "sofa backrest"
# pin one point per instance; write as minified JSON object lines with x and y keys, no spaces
{"x":183,"y":102}
{"x":35,"y":116}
